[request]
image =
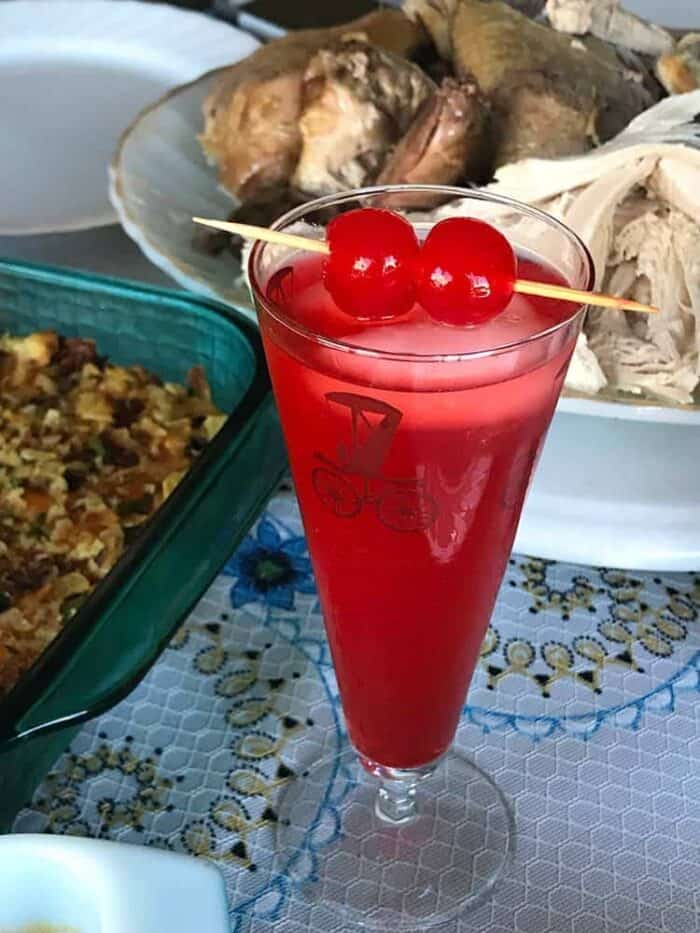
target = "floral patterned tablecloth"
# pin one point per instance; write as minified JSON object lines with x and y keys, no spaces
{"x":584,"y":709}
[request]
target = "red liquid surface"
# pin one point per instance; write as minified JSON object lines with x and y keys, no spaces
{"x":411,"y":477}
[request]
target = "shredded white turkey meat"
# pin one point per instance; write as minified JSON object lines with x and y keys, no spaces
{"x":636,"y":204}
{"x":654,"y":258}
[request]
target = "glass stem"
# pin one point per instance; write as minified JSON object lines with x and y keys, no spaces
{"x":396,"y":801}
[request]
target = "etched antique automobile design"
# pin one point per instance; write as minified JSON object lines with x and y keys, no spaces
{"x":356,"y":481}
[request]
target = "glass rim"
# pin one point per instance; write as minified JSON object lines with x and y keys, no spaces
{"x":346,"y":346}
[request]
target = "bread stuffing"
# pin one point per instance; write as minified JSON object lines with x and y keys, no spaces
{"x":88,"y":452}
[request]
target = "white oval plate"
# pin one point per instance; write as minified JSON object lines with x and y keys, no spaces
{"x":73,"y":75}
{"x":617,"y":481}
{"x":159,"y":180}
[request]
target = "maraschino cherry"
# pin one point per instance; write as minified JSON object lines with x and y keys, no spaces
{"x":371,"y":269}
{"x":466,"y":271}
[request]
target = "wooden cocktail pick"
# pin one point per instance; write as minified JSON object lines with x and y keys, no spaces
{"x":524,"y":286}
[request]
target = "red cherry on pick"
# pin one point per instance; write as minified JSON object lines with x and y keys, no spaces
{"x":466,"y":271}
{"x":370,"y":272}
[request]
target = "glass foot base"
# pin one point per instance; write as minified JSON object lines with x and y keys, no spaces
{"x":345,"y":860}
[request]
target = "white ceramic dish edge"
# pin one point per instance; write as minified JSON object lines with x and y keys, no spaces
{"x":628,"y":411}
{"x":156,"y":211}
{"x":95,"y":886}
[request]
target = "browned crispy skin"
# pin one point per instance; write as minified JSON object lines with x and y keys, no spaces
{"x":446,"y":141}
{"x":679,"y":70}
{"x":255,"y":140}
{"x":551,"y":95}
{"x":251,"y":118}
{"x":676,"y":75}
{"x":358,"y":101}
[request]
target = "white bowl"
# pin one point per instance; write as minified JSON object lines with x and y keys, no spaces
{"x":616,"y":491}
{"x":91,"y":886}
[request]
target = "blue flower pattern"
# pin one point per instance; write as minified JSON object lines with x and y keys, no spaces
{"x":270,"y":566}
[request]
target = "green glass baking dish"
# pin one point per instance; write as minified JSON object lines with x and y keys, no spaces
{"x":118,"y":633}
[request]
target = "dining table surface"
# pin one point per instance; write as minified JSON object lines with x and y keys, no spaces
{"x":584,"y":708}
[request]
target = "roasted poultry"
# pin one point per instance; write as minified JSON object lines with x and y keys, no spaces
{"x":321,"y":111}
{"x":357,"y":102}
{"x":551,"y":94}
{"x":447,"y":141}
{"x":252,"y":118}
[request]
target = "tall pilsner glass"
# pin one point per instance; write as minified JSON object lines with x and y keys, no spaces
{"x":411,"y":445}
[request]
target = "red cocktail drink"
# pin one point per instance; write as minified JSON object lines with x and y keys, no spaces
{"x":412,"y":444}
{"x":411,"y":486}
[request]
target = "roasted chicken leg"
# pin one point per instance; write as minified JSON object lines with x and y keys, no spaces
{"x":447,"y":141}
{"x":251,"y":118}
{"x":358,"y":100}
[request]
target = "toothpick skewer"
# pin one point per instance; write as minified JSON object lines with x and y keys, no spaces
{"x":250,"y":232}
{"x":523,"y":286}
{"x":545,"y":290}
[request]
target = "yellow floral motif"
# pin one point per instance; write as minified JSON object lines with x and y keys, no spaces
{"x":64,"y":791}
{"x":261,"y":732}
{"x":581,"y":595}
{"x":631,"y":624}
